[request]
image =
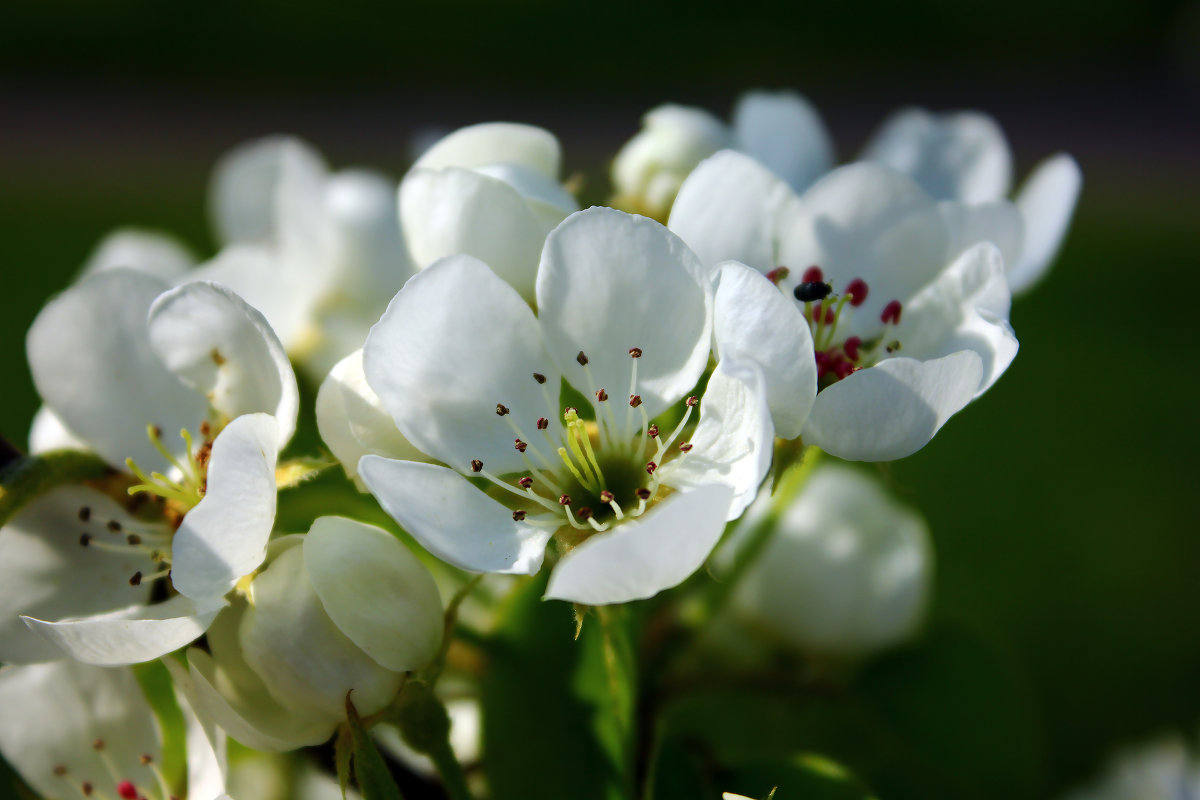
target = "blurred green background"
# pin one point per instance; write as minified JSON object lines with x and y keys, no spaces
{"x":1061,"y":503}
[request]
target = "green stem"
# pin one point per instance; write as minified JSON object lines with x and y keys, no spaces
{"x":28,"y":477}
{"x":453,"y":778}
{"x":434,"y":670}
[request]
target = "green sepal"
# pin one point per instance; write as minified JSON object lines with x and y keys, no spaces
{"x":371,"y":773}
{"x":27,"y":477}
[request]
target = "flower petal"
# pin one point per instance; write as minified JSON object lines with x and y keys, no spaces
{"x":146,"y":251}
{"x":54,"y":712}
{"x":611,"y":281}
{"x":726,"y":209}
{"x":893,"y":409}
{"x":784,"y":131}
{"x":543,"y":193}
{"x":495,"y":143}
{"x":734,"y":442}
{"x":226,"y":350}
{"x":966,"y":308}
{"x":753,"y":321}
{"x":92,"y":363}
{"x":375,"y":591}
{"x":453,"y":210}
{"x":452,"y":519}
{"x":225,"y":536}
{"x":1047,"y":202}
{"x":960,"y":156}
{"x":131,"y":635}
{"x":205,"y":744}
{"x":454,"y":342}
{"x":642,"y":557}
{"x":866,"y":221}
{"x":48,"y":432}
{"x":998,"y":222}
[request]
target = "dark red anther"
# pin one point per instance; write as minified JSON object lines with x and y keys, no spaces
{"x":520,"y":446}
{"x":501,"y":409}
{"x":85,"y":539}
{"x":691,"y":401}
{"x":606,"y":496}
{"x":136,"y":579}
{"x":60,"y":770}
{"x":652,"y":431}
{"x":564,"y":500}
{"x":686,"y":447}
{"x":851,"y":346}
{"x":584,"y":513}
{"x":127,"y":791}
{"x":842,"y":369}
{"x":891,"y":313}
{"x":812,"y":275}
{"x":778,"y":274}
{"x":635,"y":352}
{"x":601,"y":395}
{"x":133,"y":539}
{"x":635,"y":400}
{"x":476,"y":465}
{"x":643,"y":493}
{"x":543,"y":423}
{"x":582,"y":359}
{"x":97,"y":744}
{"x":87,"y":788}
{"x":85,"y":513}
{"x":539,"y":377}
{"x":525,"y":482}
{"x":113,"y":525}
{"x":518,"y":515}
{"x":205,"y":428}
{"x":650,"y":467}
{"x":857,"y":290}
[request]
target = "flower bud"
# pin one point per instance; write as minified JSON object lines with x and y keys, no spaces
{"x":649,"y":169}
{"x":845,"y":573}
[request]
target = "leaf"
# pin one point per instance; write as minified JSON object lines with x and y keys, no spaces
{"x":343,"y":751}
{"x":804,"y":777}
{"x":370,"y":771}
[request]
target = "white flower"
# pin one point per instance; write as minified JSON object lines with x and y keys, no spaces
{"x":846,"y":571}
{"x":318,"y":252}
{"x":73,"y":730}
{"x":876,"y":283}
{"x":489,"y":191}
{"x":780,"y":129}
{"x":471,"y":377}
{"x":1161,"y":770}
{"x":122,"y":360}
{"x":963,"y":157}
{"x":344,"y":609}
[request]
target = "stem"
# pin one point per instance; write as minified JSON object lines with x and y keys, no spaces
{"x":453,"y":778}
{"x":449,"y":620}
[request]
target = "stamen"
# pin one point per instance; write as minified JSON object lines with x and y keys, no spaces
{"x":85,"y":513}
{"x":663,"y":444}
{"x":635,"y":352}
{"x":643,"y":495}
{"x":539,"y":377}
{"x":812,"y":275}
{"x":564,"y":500}
{"x":582,"y":359}
{"x":520,"y":446}
{"x":525,"y":482}
{"x":893,"y":346}
{"x":850,"y":346}
{"x":543,"y":423}
{"x":87,"y":788}
{"x":85,"y":539}
{"x":136,"y":579}
{"x":635,"y":400}
{"x":891,"y":313}
{"x":205,"y":429}
{"x":571,"y":518}
{"x":508,"y":487}
{"x":501,"y":409}
{"x":113,"y":526}
{"x":601,"y":395}
{"x":857,"y":291}
{"x":778,"y":274}
{"x":476,"y":465}
{"x":650,"y":467}
{"x":686,"y":447}
{"x":607,"y":497}
{"x":518,"y":515}
{"x":652,"y":431}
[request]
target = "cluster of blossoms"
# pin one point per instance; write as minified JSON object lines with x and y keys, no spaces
{"x":523,"y":387}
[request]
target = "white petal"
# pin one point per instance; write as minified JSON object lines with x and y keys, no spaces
{"x":226,"y":350}
{"x":784,"y":131}
{"x":306,"y":662}
{"x":375,"y":591}
{"x":251,"y":182}
{"x":734,"y":441}
{"x":225,"y":536}
{"x":1047,"y":202}
{"x":998,"y":222}
{"x":966,"y":308}
{"x":150,"y":252}
{"x":866,"y":221}
{"x":452,"y":519}
{"x":642,"y":557}
{"x":960,"y":156}
{"x":45,"y":573}
{"x":753,"y":321}
{"x":92,"y":363}
{"x":54,"y":712}
{"x":353,"y":422}
{"x":893,"y":409}
{"x":610,"y":281}
{"x":131,"y":635}
{"x":495,"y":143}
{"x":536,"y":187}
{"x":206,"y":751}
{"x":454,"y":342}
{"x":454,"y":210}
{"x":48,"y":432}
{"x":727,"y":208}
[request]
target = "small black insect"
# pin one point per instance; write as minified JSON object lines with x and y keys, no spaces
{"x":809,"y":291}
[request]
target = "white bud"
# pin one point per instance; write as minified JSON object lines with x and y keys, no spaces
{"x":649,"y":169}
{"x":847,"y":571}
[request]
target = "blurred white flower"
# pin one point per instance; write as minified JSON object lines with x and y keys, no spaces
{"x":845,"y":572}
{"x":344,"y":610}
{"x":1161,"y":770}
{"x":463,"y":366}
{"x":120,"y":360}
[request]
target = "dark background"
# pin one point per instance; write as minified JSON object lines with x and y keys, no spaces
{"x":1062,"y":503}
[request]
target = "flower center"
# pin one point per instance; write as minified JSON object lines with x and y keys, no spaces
{"x":838,"y":355}
{"x":122,"y":787}
{"x":594,"y":473}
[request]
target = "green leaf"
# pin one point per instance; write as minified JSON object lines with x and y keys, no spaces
{"x":159,"y":690}
{"x":27,"y":477}
{"x":343,"y":751}
{"x":605,"y":677}
{"x":370,"y":771}
{"x":804,"y":777}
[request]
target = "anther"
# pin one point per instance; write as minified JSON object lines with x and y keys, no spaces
{"x":133,"y":539}
{"x":85,"y":513}
{"x":543,"y":423}
{"x":635,"y":400}
{"x":564,"y":500}
{"x":145,"y":759}
{"x":127,"y":791}
{"x":691,"y":401}
{"x":635,"y":352}
{"x":893,"y":346}
{"x":606,"y":496}
{"x":525,"y":482}
{"x":520,"y":446}
{"x":652,"y":431}
{"x":59,"y":770}
{"x":643,"y":493}
{"x":812,"y":275}
{"x":97,"y":744}
{"x":650,"y":467}
{"x":584,"y":513}
{"x":205,"y":428}
{"x":891,"y":313}
{"x":87,"y":788}
{"x":113,"y":525}
{"x":539,"y":377}
{"x":582,"y":359}
{"x":601,"y":395}
{"x":778,"y":274}
{"x":476,"y":465}
{"x":501,"y":409}
{"x":156,"y":431}
{"x":851,"y":346}
{"x":686,"y":447}
{"x":518,"y":515}
{"x":857,"y":290}
{"x":85,"y":539}
{"x":136,"y":579}
{"x":809,"y":291}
